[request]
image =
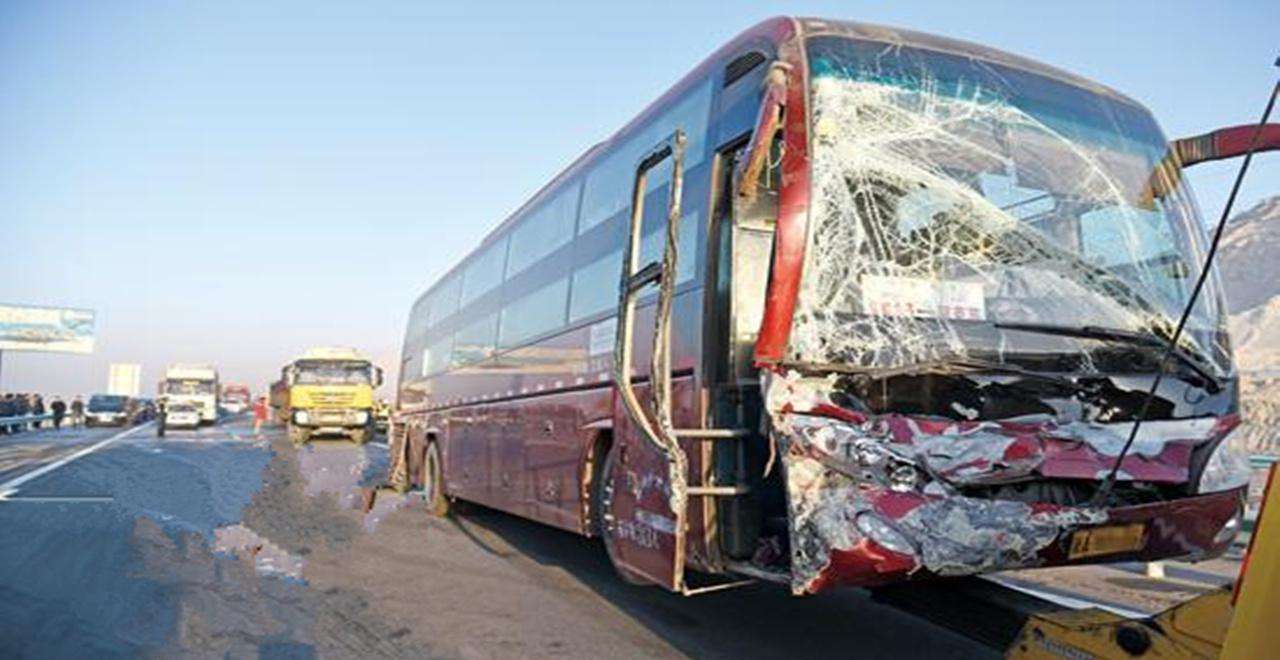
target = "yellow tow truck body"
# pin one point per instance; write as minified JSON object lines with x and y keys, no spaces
{"x":1225,"y":623}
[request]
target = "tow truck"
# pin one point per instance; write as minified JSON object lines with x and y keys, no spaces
{"x":1231,"y":622}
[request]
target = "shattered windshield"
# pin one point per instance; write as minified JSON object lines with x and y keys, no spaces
{"x":952,"y":195}
{"x":333,"y":374}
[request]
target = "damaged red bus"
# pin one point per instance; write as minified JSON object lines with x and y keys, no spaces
{"x":847,"y":305}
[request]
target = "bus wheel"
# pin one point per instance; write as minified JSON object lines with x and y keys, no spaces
{"x":437,"y":502}
{"x":604,"y":522}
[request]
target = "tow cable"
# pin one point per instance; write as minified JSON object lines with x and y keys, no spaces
{"x":1100,"y":498}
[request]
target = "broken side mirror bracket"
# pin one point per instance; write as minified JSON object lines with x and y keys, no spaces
{"x":768,"y":123}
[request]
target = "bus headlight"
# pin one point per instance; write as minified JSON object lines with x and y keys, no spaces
{"x":1229,"y":530}
{"x":1226,"y":469}
{"x":301,"y":417}
{"x":361,"y":416}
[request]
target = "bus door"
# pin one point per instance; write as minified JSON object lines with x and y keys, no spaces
{"x":646,"y":510}
{"x":649,"y":487}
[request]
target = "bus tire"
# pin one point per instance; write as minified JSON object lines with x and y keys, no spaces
{"x":433,"y":495}
{"x":602,"y":504}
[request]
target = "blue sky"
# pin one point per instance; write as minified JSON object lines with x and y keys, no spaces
{"x":235,"y":181}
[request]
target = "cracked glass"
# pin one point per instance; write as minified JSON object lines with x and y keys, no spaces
{"x":952,"y":194}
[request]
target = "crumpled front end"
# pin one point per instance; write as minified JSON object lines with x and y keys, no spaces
{"x":879,"y":498}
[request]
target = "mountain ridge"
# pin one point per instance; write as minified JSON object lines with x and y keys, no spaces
{"x":1249,"y":265}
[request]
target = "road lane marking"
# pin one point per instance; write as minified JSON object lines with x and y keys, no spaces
{"x":6,"y":496}
{"x":10,"y":487}
{"x":1065,"y":598}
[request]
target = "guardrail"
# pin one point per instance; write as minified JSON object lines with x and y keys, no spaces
{"x":25,"y":419}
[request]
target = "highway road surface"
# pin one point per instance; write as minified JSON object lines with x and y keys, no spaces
{"x":217,"y":543}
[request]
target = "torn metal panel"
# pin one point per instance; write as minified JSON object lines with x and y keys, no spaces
{"x":962,"y":535}
{"x":845,"y":530}
{"x":876,"y":498}
{"x":972,"y":453}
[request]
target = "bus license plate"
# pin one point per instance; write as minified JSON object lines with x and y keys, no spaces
{"x":1107,"y":540}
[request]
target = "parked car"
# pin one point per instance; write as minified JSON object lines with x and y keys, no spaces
{"x":144,"y":410}
{"x":108,"y":410}
{"x":182,"y":415}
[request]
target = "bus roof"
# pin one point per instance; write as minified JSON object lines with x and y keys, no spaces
{"x":777,"y":29}
{"x":777,"y":26}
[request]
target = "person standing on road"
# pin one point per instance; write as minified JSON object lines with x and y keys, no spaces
{"x":37,"y":409}
{"x":77,"y":412}
{"x":6,"y":410}
{"x":162,"y":416}
{"x":22,"y":407}
{"x":259,"y":414}
{"x":59,"y":410}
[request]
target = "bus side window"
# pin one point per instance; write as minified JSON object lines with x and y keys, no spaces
{"x":608,"y":187}
{"x":444,"y":300}
{"x":545,"y":230}
{"x":538,"y":312}
{"x":484,"y":272}
{"x":606,"y":199}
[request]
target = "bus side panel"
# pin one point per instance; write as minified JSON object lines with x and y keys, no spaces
{"x":501,"y":451}
{"x":644,"y":525}
{"x":529,"y":452}
{"x":505,"y":428}
{"x":555,"y":446}
{"x":464,"y":453}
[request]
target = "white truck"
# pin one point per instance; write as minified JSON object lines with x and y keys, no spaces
{"x":194,"y":384}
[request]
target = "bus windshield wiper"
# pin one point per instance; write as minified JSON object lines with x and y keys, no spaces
{"x":1121,"y":336}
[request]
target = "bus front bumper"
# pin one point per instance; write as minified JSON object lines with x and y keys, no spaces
{"x":846,"y":531}
{"x":870,"y":537}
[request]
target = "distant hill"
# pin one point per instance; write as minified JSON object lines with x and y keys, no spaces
{"x":1249,"y":262}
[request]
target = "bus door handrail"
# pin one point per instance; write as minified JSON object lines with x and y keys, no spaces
{"x":659,"y":431}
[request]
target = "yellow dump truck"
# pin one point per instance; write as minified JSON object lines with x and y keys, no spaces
{"x":328,"y":391}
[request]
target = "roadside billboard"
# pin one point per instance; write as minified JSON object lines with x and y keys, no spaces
{"x":125,"y":379}
{"x":49,"y":329}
